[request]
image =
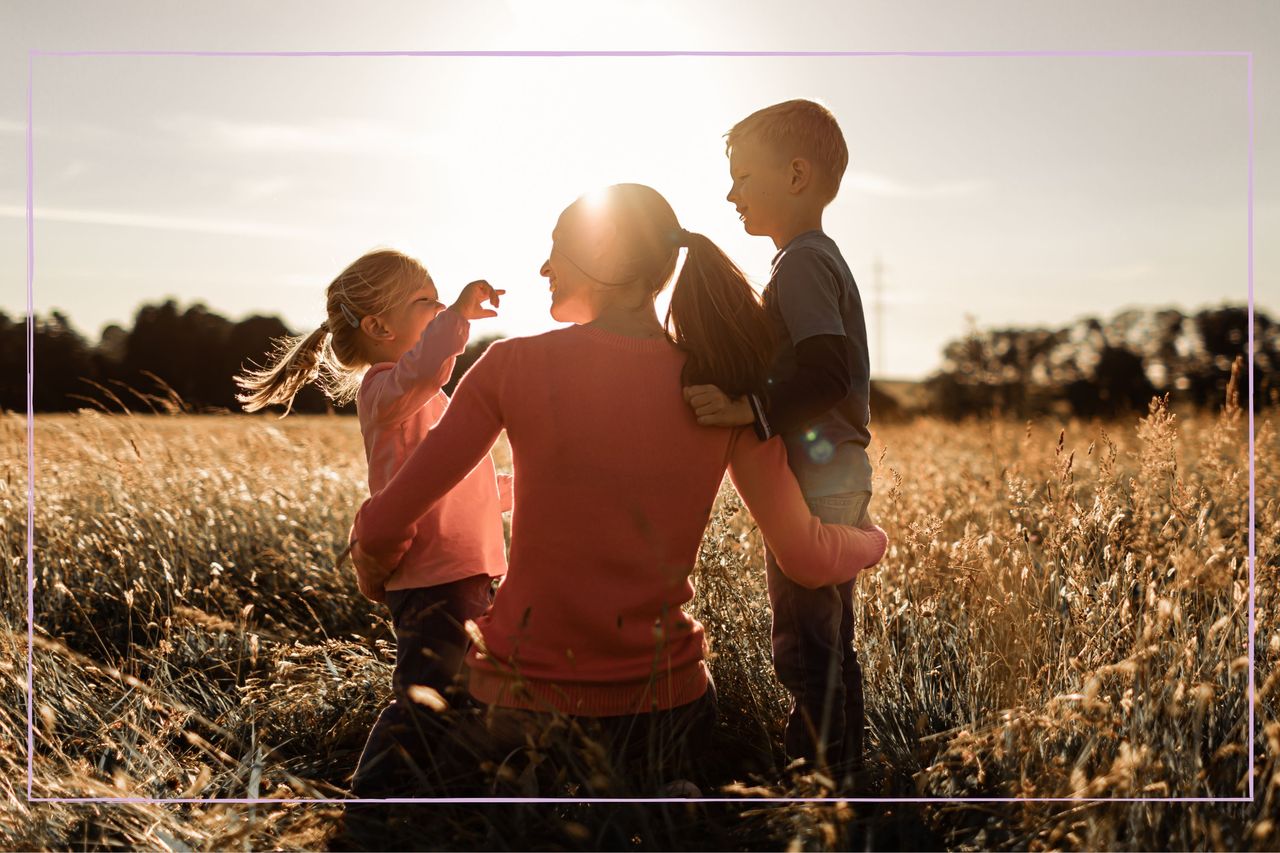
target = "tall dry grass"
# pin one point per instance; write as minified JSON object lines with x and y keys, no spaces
{"x":1062,"y":614}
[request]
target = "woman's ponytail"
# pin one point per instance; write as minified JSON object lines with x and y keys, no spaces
{"x":716,"y":318}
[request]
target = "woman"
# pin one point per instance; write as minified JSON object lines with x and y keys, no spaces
{"x":615,"y":480}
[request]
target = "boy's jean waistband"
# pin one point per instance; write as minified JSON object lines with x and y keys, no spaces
{"x":849,"y":508}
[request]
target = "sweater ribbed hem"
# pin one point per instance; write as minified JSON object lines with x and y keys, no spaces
{"x":677,"y":687}
{"x":417,"y":580}
{"x":624,"y":341}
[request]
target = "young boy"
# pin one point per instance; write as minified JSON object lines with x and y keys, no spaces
{"x":786,"y":162}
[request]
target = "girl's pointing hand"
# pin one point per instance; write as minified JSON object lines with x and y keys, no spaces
{"x":469,"y":302}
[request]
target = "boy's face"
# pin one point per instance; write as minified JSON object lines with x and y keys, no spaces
{"x":761,"y":189}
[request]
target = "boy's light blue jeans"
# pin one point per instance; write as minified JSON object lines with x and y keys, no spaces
{"x":815,"y":657}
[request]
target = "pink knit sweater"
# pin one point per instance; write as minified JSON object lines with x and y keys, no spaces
{"x":398,"y":405}
{"x":615,"y":484}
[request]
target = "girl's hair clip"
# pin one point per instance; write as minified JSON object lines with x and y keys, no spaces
{"x":349,"y":315}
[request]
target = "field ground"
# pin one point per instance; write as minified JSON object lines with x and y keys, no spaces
{"x":1062,"y":613}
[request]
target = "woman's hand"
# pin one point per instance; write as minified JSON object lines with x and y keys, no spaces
{"x":371,"y":576}
{"x":469,"y":302}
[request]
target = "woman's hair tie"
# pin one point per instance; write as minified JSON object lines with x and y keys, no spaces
{"x":349,"y":315}
{"x":680,"y":237}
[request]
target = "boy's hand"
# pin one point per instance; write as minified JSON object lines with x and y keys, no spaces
{"x":469,"y":301}
{"x":715,"y":408}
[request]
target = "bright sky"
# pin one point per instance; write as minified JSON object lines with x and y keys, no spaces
{"x":1018,"y":191}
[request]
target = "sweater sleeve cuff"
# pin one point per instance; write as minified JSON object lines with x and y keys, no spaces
{"x":761,"y":421}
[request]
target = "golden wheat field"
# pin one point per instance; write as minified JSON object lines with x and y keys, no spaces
{"x":1062,"y":614}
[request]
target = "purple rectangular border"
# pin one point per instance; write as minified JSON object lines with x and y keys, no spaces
{"x":1248,"y":55}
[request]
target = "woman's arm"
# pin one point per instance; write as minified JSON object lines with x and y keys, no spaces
{"x":385,"y":523}
{"x":394,"y":394}
{"x":811,"y":553}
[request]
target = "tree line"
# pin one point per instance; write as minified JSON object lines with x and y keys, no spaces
{"x":1105,"y":368}
{"x":175,"y":359}
{"x":172,"y":359}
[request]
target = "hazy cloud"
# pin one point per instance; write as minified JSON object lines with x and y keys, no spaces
{"x":881,"y":185}
{"x":1125,"y":272}
{"x":247,"y":191}
{"x":161,"y":222}
{"x":335,"y":137}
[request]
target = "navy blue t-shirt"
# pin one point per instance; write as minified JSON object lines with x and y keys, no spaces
{"x":811,"y":291}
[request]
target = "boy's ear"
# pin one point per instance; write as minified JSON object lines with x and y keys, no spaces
{"x":800,"y":172}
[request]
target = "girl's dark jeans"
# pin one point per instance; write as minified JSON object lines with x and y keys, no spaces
{"x":815,"y":657}
{"x":431,"y":645}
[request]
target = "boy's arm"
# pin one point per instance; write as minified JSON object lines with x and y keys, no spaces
{"x":807,"y":290}
{"x":394,"y":394}
{"x":823,"y":378}
{"x":809,"y":552}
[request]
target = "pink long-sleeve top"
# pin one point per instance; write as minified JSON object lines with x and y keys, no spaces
{"x":615,"y":482}
{"x":399,"y":403}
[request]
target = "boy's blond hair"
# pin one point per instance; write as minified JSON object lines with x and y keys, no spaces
{"x":799,"y":128}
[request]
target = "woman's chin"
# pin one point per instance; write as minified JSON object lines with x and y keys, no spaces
{"x":562,"y":313}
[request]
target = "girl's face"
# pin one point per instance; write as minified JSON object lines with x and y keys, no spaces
{"x":406,"y":322}
{"x":574,"y":294}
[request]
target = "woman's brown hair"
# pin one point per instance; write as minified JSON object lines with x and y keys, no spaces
{"x":715,"y":315}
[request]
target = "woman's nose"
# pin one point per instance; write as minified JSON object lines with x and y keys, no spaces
{"x":546,"y":269}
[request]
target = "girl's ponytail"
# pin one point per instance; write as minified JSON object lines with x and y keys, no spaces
{"x":716,"y":318}
{"x":293,"y":363}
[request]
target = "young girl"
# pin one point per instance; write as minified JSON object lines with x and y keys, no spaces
{"x":389,"y":343}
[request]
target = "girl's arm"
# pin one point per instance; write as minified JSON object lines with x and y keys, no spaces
{"x":394,"y":394}
{"x":385,"y":524}
{"x":811,"y":553}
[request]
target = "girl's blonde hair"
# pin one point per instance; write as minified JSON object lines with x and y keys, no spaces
{"x":332,"y":356}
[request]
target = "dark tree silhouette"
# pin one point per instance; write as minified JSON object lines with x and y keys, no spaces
{"x":469,"y":356}
{"x":1094,"y":368}
{"x":62,"y":359}
{"x":13,"y":354}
